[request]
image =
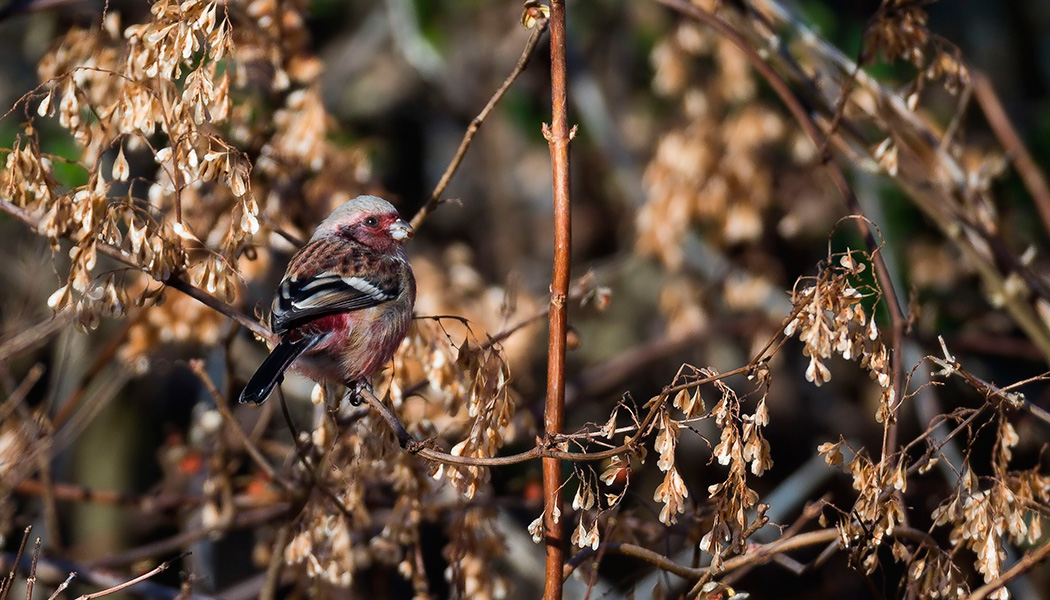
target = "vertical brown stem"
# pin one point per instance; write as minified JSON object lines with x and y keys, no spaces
{"x":558,"y":139}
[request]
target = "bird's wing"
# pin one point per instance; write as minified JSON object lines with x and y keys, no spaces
{"x":327,"y":293}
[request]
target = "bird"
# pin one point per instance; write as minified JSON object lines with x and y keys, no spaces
{"x":345,"y":302}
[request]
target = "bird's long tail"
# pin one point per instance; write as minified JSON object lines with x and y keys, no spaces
{"x":271,"y":371}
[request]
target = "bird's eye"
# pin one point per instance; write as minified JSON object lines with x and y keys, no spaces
{"x":371,"y":222}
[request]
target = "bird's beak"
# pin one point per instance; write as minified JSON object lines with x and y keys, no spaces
{"x":400,"y":230}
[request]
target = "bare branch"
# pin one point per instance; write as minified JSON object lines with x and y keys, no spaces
{"x":10,"y":579}
{"x":1004,"y":129}
{"x":173,"y":282}
{"x":523,"y":61}
{"x":112,"y":590}
{"x":1026,"y":564}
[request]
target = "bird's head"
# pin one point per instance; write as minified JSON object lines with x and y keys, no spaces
{"x":369,"y":220}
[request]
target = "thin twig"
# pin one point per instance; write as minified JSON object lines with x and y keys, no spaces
{"x":20,"y":392}
{"x":273,"y":569}
{"x":102,"y":360}
{"x":288,"y":236}
{"x":512,"y":329}
{"x":31,"y":580}
{"x":1023,"y":566}
{"x":309,"y":469}
{"x":758,"y":555}
{"x":162,"y":567}
{"x":593,"y":579}
{"x":957,"y":118}
{"x":197,"y":366}
{"x":62,"y":586}
{"x":545,"y":449}
{"x":9,"y":580}
{"x":61,"y":438}
{"x":47,"y":497}
{"x":810,"y":512}
{"x":53,"y":571}
{"x":29,"y":338}
{"x":1030,"y":173}
{"x":417,"y":447}
{"x":523,"y":61}
{"x":219,"y":306}
{"x":577,"y":292}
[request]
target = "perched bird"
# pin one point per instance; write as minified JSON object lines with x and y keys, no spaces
{"x":345,"y":302}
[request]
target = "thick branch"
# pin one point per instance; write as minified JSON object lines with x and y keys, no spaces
{"x":558,"y":137}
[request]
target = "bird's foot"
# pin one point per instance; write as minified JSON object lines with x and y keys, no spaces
{"x":355,"y":390}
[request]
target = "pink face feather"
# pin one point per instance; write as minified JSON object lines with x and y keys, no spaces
{"x":367,"y":220}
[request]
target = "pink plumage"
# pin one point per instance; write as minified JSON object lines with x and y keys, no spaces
{"x":345,"y":302}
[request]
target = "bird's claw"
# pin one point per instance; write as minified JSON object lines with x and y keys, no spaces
{"x":354,"y":392}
